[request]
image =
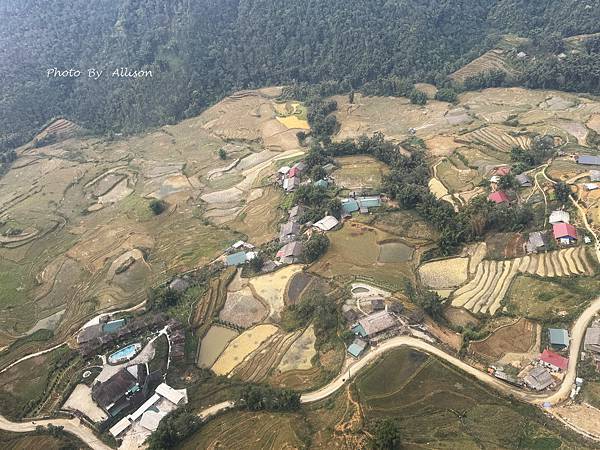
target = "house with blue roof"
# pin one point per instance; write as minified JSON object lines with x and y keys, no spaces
{"x":321,"y":184}
{"x":559,"y":338}
{"x":237,"y":259}
{"x":357,"y":347}
{"x":349,"y":206}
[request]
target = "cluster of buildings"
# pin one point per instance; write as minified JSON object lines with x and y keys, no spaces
{"x":547,"y":370}
{"x":497,"y":195}
{"x":148,"y":415}
{"x":369,"y":329}
{"x":563,"y":233}
{"x":239,"y":254}
{"x":93,"y":338}
{"x":290,"y":177}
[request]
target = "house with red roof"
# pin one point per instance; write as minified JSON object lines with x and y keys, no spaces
{"x":498,"y":197}
{"x":554,"y":361}
{"x":502,"y":171}
{"x":293,"y":172}
{"x":564,"y":233}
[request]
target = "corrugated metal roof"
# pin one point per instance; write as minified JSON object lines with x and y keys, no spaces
{"x":236,"y":259}
{"x":589,"y":160}
{"x":559,"y":336}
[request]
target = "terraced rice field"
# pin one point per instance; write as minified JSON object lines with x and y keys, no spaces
{"x":300,"y":353}
{"x":492,"y":60}
{"x":241,"y":347}
{"x":257,"y":430}
{"x":440,"y":407}
{"x":242,"y":309}
{"x":271,"y":288}
{"x":497,"y":139}
{"x":257,"y":367}
{"x":445,"y":273}
{"x":485,"y":292}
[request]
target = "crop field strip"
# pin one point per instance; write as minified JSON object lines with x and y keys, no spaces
{"x":497,"y":139}
{"x":485,"y":292}
{"x":257,"y":366}
{"x":491,"y":60}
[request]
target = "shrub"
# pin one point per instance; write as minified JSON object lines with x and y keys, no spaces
{"x":158,"y":206}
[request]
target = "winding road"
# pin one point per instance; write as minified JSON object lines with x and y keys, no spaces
{"x":577,"y":334}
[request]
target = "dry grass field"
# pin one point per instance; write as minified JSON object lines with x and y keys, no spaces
{"x":357,"y":173}
{"x":518,"y":337}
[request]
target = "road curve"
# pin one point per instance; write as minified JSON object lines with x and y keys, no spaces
{"x":80,"y":430}
{"x":73,"y":426}
{"x":577,"y":335}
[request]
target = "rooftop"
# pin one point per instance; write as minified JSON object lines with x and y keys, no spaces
{"x":236,"y":259}
{"x":549,"y":357}
{"x":498,"y":197}
{"x":563,"y":230}
{"x":291,"y":249}
{"x":589,"y":160}
{"x":327,"y":223}
{"x":559,"y":216}
{"x":357,"y":347}
{"x":376,"y":323}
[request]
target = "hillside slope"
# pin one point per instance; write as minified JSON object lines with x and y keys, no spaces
{"x":199,"y":51}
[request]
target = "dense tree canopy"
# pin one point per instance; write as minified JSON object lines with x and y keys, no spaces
{"x":199,"y":51}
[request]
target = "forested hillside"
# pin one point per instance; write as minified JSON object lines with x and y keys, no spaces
{"x":199,"y":50}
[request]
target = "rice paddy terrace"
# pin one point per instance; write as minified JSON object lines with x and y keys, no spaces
{"x":77,"y":235}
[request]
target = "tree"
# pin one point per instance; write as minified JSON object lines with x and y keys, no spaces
{"x":417,"y":97}
{"x":317,"y":173}
{"x":158,"y":206}
{"x":562,"y":191}
{"x":387,"y":434}
{"x":257,"y":262}
{"x":351,"y":97}
{"x":173,"y":429}
{"x":316,"y":246}
{"x":222,"y":154}
{"x":446,"y":95}
{"x":334,"y":207}
{"x":507,"y":182}
{"x":268,"y":398}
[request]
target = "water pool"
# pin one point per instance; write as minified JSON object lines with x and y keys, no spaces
{"x":124,"y":354}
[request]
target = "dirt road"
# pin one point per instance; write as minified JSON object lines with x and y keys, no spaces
{"x":73,"y":426}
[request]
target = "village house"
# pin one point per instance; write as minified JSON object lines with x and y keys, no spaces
{"x":321,"y":184}
{"x":327,"y":223}
{"x":501,"y":171}
{"x":588,"y":160}
{"x":350,"y":315}
{"x":296,"y":212}
{"x":291,"y":184}
{"x":289,"y":231}
{"x":290,"y":253}
{"x":179,"y":285}
{"x":558,"y":338}
{"x":537,"y":242}
{"x":121,"y":391}
{"x":357,"y":347}
{"x":592,"y":340}
{"x":524,"y":180}
{"x":539,"y":378}
{"x":564,"y":233}
{"x":554,"y":361}
{"x":374,"y":324}
{"x":283,"y":171}
{"x":498,"y":197}
{"x":595,"y":175}
{"x":559,"y":217}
